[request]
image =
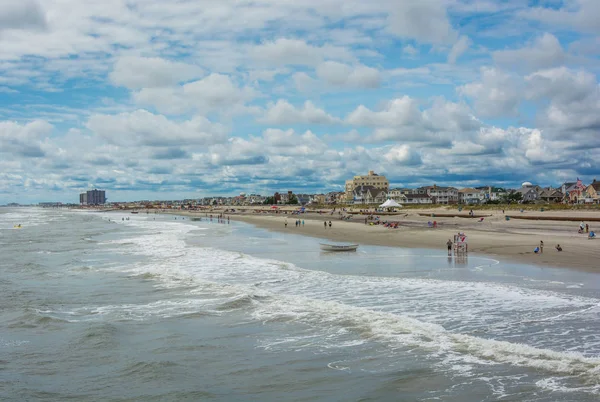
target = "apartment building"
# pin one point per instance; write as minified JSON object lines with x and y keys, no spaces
{"x":371,"y":180}
{"x":93,"y":197}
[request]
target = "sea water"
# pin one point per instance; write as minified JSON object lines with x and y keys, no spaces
{"x":149,"y":307}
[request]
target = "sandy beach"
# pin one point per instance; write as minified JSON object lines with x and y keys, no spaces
{"x":496,"y":237}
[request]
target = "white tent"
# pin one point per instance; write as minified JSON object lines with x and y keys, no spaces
{"x":390,"y":204}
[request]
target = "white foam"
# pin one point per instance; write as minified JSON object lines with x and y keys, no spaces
{"x":445,"y":319}
{"x":557,"y":384}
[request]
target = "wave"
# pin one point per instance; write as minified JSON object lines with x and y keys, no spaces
{"x":440,"y":318}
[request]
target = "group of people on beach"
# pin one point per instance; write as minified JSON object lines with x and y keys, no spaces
{"x":540,"y":249}
{"x":299,"y":222}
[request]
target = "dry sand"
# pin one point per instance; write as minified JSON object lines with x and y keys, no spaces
{"x":495,"y":236}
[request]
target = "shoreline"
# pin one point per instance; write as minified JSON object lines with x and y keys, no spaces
{"x":512,"y":240}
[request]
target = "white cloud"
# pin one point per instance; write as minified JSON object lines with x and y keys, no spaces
{"x":285,"y":51}
{"x":343,"y":75}
{"x":402,"y":155}
{"x":23,"y":14}
{"x":496,"y":94}
{"x":144,"y":128}
{"x":23,"y":140}
{"x":424,"y":20}
{"x":402,"y":120}
{"x":303,"y":82}
{"x":410,"y":50}
{"x":461,"y":46}
{"x":136,"y":72}
{"x":216,"y":92}
{"x":284,"y":113}
{"x":544,"y":52}
{"x":575,"y":14}
{"x":574,"y":100}
{"x":398,"y":112}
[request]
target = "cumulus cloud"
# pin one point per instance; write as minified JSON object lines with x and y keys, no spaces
{"x":343,"y":75}
{"x":135,"y":72}
{"x":495,"y":94}
{"x":402,"y":155}
{"x":214,"y":92}
{"x":284,"y":51}
{"x":284,"y":113}
{"x":398,"y":112}
{"x":144,"y":128}
{"x":24,"y":14}
{"x":402,"y":119}
{"x":544,"y":52}
{"x":209,"y":77}
{"x":425,"y":21}
{"x":577,"y":14}
{"x":25,"y":140}
{"x":574,"y":99}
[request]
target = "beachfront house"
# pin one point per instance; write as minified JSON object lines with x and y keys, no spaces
{"x":530,"y":194}
{"x":592,"y":192}
{"x":397,"y":195}
{"x":369,"y":195}
{"x":471,"y":196}
{"x":551,"y":195}
{"x":442,"y":195}
{"x":575,"y":193}
{"x":417,"y":199}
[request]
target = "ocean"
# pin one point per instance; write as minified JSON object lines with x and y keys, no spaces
{"x":120,"y":307}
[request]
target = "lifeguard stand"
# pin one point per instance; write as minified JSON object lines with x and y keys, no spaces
{"x":461,"y":244}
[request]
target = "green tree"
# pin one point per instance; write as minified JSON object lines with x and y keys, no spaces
{"x":513,"y":197}
{"x":269,"y":201}
{"x":293,"y":200}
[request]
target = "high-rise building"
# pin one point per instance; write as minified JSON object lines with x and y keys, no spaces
{"x":93,"y":197}
{"x":372,"y":179}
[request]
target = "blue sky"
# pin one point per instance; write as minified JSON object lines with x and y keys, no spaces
{"x":152,"y":99}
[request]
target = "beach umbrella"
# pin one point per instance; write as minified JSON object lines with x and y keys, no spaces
{"x":273,"y":206}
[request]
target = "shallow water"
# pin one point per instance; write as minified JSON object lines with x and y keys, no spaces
{"x":94,"y":307}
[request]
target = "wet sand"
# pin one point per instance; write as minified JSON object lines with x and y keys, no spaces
{"x":495,"y":237}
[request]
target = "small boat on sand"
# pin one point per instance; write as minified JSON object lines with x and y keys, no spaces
{"x":338,"y":247}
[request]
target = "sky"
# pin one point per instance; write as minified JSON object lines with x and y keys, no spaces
{"x":173,"y":99}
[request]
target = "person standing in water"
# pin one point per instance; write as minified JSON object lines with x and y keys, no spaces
{"x":449,"y":244}
{"x":541,"y":247}
{"x":325,"y":224}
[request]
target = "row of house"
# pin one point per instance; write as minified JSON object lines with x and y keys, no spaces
{"x":374,"y":189}
{"x":427,"y":195}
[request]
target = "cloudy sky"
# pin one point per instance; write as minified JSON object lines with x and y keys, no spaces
{"x":167,"y":99}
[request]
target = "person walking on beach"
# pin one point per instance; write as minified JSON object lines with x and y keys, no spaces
{"x":541,"y":247}
{"x":587,"y":228}
{"x":325,"y":224}
{"x":302,"y":222}
{"x":329,"y":223}
{"x":449,"y":244}
{"x":285,"y":222}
